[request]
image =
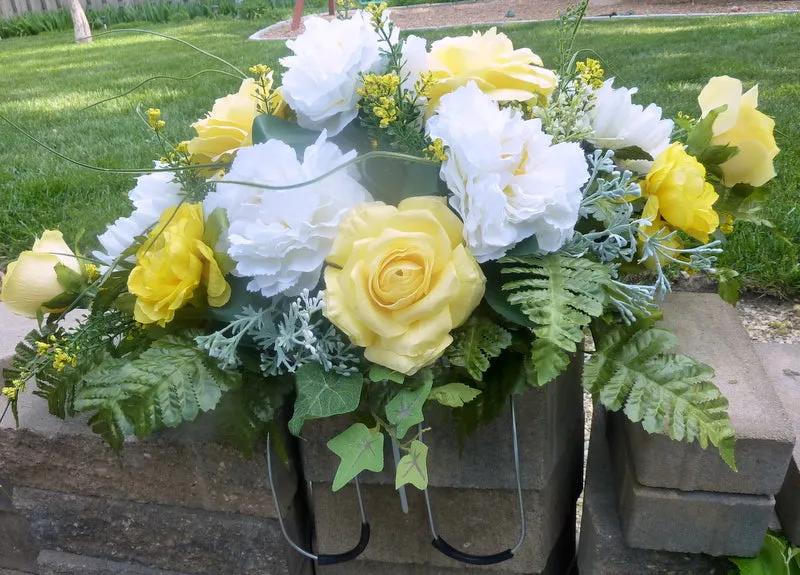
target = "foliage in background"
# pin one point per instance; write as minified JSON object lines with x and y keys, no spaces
{"x":777,"y":557}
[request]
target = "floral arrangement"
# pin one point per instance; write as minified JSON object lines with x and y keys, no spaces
{"x":400,"y":227}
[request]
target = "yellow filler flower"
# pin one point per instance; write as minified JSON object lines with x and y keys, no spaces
{"x":676,"y":188}
{"x":400,"y":279}
{"x":172,"y":265}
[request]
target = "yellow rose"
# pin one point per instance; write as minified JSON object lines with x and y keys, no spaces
{"x":227,"y":127}
{"x":676,"y":188}
{"x":489,"y":60}
{"x":31,"y":281}
{"x":172,"y":264}
{"x":743,"y":126}
{"x":399,"y":280}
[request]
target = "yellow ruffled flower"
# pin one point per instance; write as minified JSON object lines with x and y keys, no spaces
{"x":676,"y":188}
{"x":743,"y":126}
{"x":227,"y":127}
{"x":489,"y":60}
{"x":172,"y":265}
{"x":31,"y":280}
{"x":400,"y":279}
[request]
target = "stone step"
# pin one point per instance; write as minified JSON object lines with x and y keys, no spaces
{"x":161,"y":536}
{"x":59,"y":563}
{"x":710,"y":331}
{"x":15,"y":572}
{"x":602,"y":549}
{"x":18,"y":548}
{"x":782,"y":363}
{"x":719,"y":524}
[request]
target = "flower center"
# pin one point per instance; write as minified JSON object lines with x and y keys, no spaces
{"x":400,"y":279}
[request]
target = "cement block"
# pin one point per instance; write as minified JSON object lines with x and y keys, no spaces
{"x":164,"y":537}
{"x":479,"y":521}
{"x":710,"y":331}
{"x":13,"y":572}
{"x":685,"y":521}
{"x":549,"y":423}
{"x":58,"y":563}
{"x":13,"y":329}
{"x":18,"y":548}
{"x":782,"y":363}
{"x":602,"y":549}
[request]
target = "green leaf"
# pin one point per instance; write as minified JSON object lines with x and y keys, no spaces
{"x":359,"y":449}
{"x":527,"y":247}
{"x":559,"y":296}
{"x":378,"y":373}
{"x":323,"y":393}
{"x":476,"y":343}
{"x":405,"y":408}
{"x":169,"y":383}
{"x":729,"y":285}
{"x":498,"y":300}
{"x":413,"y":467}
{"x":216,"y":226}
{"x":632,"y":153}
{"x":771,"y":559}
{"x":453,"y":394}
{"x":716,"y":155}
{"x":633,"y":370}
{"x":72,"y":281}
{"x":700,"y":136}
{"x":420,"y":180}
{"x":268,"y":127}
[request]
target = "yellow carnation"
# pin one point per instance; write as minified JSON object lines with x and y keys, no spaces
{"x":399,"y":280}
{"x":172,"y":264}
{"x":743,"y":126}
{"x":31,"y":281}
{"x":227,"y":127}
{"x":677,"y":190}
{"x":489,"y":60}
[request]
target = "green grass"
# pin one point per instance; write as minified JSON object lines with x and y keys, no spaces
{"x":46,"y":80}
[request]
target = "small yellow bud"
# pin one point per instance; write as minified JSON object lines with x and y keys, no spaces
{"x":436,"y":151}
{"x":91,"y":272}
{"x":153,"y":115}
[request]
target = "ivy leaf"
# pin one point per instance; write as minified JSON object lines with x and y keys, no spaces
{"x":359,"y":449}
{"x":268,"y":127}
{"x":729,"y":285}
{"x":454,"y":394}
{"x":413,"y":467}
{"x":323,"y":393}
{"x":405,"y":408}
{"x":378,"y":373}
{"x":632,"y":153}
{"x":476,"y":343}
{"x":771,"y":559}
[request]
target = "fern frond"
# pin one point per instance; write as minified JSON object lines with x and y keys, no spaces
{"x":476,"y":343}
{"x":560,"y":295}
{"x":669,"y":393}
{"x":171,"y":382}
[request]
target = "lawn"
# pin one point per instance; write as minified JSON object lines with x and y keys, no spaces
{"x":46,"y":81}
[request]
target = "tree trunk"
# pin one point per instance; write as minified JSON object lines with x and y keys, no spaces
{"x":82,"y":31}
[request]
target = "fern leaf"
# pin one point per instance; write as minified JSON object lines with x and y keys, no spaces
{"x":633,"y":370}
{"x":560,"y":295}
{"x":169,"y":383}
{"x":476,"y":343}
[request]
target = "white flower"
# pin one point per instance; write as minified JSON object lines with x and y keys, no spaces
{"x":322,"y":77}
{"x":153,"y":194}
{"x":415,"y":60}
{"x":508,"y":182}
{"x":618,"y":123}
{"x":280,"y":238}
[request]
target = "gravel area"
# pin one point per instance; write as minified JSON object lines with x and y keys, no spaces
{"x":496,"y":11}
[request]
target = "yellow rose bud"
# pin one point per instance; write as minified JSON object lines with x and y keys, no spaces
{"x":31,"y":281}
{"x":677,"y":190}
{"x":400,"y":279}
{"x":743,"y":126}
{"x":227,"y":127}
{"x":489,"y":60}
{"x":172,"y":265}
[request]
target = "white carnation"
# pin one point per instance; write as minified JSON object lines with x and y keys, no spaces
{"x":280,"y":238}
{"x":153,"y":194}
{"x":322,"y":77}
{"x":508,"y":182}
{"x":618,"y":123}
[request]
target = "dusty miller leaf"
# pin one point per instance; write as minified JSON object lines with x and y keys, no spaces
{"x":323,"y":393}
{"x":359,"y":449}
{"x":413,"y":467}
